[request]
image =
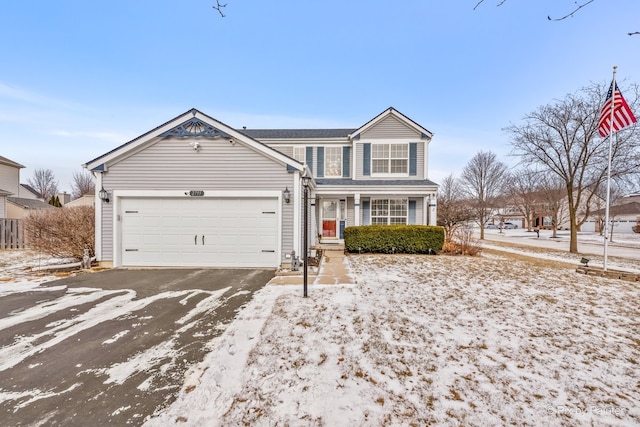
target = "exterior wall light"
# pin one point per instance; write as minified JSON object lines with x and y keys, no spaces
{"x":287,"y":195}
{"x":103,"y":195}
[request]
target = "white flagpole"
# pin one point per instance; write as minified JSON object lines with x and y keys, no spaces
{"x":606,"y":211}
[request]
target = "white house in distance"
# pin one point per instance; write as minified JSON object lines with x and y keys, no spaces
{"x":197,"y":192}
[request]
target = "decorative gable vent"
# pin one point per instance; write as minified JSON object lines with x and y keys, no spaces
{"x":195,"y":127}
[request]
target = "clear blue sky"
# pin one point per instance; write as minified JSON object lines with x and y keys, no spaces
{"x":79,"y":78}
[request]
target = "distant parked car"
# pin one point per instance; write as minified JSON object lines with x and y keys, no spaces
{"x":489,"y":225}
{"x":509,"y":226}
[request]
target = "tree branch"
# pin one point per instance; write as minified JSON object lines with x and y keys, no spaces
{"x":219,"y":6}
{"x":580,"y":6}
{"x":500,"y":3}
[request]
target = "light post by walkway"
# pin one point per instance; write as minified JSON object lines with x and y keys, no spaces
{"x":306,"y":180}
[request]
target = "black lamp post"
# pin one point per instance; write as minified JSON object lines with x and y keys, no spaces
{"x":305,"y":248}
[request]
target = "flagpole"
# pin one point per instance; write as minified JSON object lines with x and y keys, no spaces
{"x":606,"y":211}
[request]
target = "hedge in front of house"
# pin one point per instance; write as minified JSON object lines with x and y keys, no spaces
{"x":387,"y":239}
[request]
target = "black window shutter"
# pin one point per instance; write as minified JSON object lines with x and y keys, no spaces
{"x":309,"y":157}
{"x":320,"y":173}
{"x":366,"y":159}
{"x":346,"y":162}
{"x":413,"y":159}
{"x":366,"y":214}
{"x":412,"y":212}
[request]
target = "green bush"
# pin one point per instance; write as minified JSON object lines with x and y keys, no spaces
{"x":387,"y":239}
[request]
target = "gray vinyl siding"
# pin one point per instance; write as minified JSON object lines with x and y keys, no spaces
{"x":3,"y":207}
{"x":359,"y":151}
{"x":391,"y":128}
{"x":171,"y":164}
{"x":351,"y":214}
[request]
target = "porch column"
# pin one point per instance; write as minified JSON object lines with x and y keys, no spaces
{"x":98,"y":218}
{"x":356,"y":208}
{"x":433,"y":211}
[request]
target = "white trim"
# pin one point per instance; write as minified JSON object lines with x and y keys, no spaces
{"x":296,"y":199}
{"x":118,"y":195}
{"x":142,"y":141}
{"x":98,"y":218}
{"x":391,"y":112}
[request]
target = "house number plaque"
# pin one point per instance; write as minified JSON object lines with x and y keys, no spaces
{"x":196,"y":193}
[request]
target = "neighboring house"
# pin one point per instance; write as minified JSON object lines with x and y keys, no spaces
{"x":624,"y":217}
{"x":196,"y":192}
{"x":9,"y":182}
{"x":16,"y":200}
{"x":19,"y":208}
{"x":28,"y":192}
{"x":86,"y":200}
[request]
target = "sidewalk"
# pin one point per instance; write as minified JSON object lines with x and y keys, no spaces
{"x":334,"y":270}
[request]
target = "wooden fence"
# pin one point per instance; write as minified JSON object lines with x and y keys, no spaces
{"x":11,"y":234}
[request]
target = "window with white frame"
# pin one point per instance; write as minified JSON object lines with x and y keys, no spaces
{"x":300,"y":154}
{"x":390,"y":159}
{"x":389,"y":211}
{"x":333,"y":161}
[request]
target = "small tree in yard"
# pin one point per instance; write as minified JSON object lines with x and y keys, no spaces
{"x":483,"y":180}
{"x":61,"y":233}
{"x":453,"y":211}
{"x":44,"y":182}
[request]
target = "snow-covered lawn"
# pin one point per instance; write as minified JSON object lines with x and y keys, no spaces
{"x":424,"y":340}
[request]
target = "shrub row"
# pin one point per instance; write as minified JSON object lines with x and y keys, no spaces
{"x":387,"y":239}
{"x":61,"y":232}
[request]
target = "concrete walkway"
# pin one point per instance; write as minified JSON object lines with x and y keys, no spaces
{"x":334,"y":270}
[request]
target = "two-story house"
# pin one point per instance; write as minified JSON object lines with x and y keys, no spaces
{"x":16,"y":200}
{"x":197,"y":192}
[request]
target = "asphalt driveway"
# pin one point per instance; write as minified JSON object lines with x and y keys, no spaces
{"x":111,"y":347}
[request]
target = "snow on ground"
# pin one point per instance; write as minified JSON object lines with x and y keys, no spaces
{"x":423,"y":340}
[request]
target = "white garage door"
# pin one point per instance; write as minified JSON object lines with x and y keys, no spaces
{"x":220,"y":232}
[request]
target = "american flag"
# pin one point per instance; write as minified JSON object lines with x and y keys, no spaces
{"x":622,"y":114}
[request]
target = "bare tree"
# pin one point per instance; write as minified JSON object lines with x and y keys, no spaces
{"x":483,"y":179}
{"x":82,"y":184}
{"x":45,"y":184}
{"x":521,"y":192}
{"x":563,"y":139}
{"x":453,"y":210}
{"x":219,"y":7}
{"x":553,"y":201}
{"x":569,"y":14}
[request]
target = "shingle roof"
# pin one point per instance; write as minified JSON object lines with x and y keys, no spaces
{"x":29,"y":203}
{"x":374,"y":182}
{"x":296,"y":133}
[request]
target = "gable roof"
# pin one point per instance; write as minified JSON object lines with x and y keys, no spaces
{"x":5,"y":161}
{"x":398,"y":115}
{"x":296,"y":133}
{"x":192,"y":123}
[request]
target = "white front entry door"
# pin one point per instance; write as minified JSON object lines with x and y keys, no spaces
{"x":207,"y":232}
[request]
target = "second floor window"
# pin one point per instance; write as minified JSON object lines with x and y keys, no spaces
{"x":390,"y":159}
{"x":333,"y":161}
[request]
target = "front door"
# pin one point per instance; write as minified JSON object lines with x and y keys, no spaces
{"x":329,"y":219}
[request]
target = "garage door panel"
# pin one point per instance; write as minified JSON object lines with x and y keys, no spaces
{"x":200,"y":232}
